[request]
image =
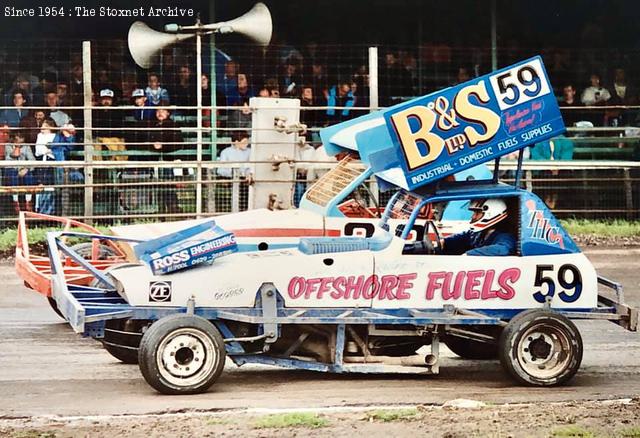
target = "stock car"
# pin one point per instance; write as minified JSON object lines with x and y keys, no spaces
{"x":369,"y":303}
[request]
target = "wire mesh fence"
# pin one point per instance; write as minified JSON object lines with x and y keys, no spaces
{"x":127,"y":144}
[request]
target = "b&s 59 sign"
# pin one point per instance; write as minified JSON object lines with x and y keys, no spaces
{"x":471,"y":123}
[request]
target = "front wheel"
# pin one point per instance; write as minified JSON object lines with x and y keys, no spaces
{"x":541,"y":348}
{"x":181,"y":354}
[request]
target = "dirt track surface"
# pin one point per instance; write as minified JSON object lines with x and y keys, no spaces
{"x":49,"y":370}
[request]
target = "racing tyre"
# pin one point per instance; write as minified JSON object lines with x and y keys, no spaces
{"x":470,"y":349}
{"x":541,"y":348}
{"x":120,"y":342}
{"x":181,"y":354}
{"x":54,"y":306}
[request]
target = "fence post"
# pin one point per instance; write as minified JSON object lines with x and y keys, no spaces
{"x":373,"y":79}
{"x":199,"y":126}
{"x":88,"y":134}
{"x":628,"y":193}
{"x":373,"y":103}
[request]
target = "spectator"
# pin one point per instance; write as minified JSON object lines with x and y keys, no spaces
{"x":45,"y":202}
{"x":462,"y":75}
{"x":109,"y":123}
{"x":241,"y":92}
{"x":21,"y":84}
{"x":165,"y":135}
{"x":595,"y":94}
{"x":185,"y":90}
{"x":76,"y":86}
{"x":62,"y":90}
{"x":239,"y":151}
{"x":264,"y":92}
{"x":309,"y":117}
{"x":103,"y":81}
{"x":22,"y":176}
{"x":166,"y":139}
{"x":156,"y":95}
{"x":339,"y":96}
{"x":318,"y":80}
{"x":240,"y":118}
{"x":304,"y":155}
{"x":13,"y":117}
{"x":623,"y":94}
{"x":394,"y":81}
{"x":143,"y":111}
{"x":559,"y":148}
{"x":62,"y":145}
{"x":360,"y":91}
{"x":229,"y":83}
{"x":571,"y":117}
{"x":31,"y":125}
{"x":289,"y":81}
{"x":59,"y":116}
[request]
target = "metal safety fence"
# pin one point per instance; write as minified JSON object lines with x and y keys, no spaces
{"x":87,"y":134}
{"x":141,"y":191}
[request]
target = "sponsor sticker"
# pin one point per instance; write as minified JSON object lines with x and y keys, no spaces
{"x":159,"y":291}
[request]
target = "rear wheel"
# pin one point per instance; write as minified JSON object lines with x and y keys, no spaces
{"x":541,"y":348}
{"x":181,"y":354}
{"x":121,"y":340}
{"x":85,"y":250}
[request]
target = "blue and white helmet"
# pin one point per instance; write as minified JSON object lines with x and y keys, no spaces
{"x":494,"y":211}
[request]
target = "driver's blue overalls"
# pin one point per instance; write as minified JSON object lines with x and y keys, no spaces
{"x":473,"y":243}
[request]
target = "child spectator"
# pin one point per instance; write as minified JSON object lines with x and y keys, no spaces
{"x":22,"y":176}
{"x":45,"y":202}
{"x":239,"y":151}
{"x":143,"y":110}
{"x":156,"y":95}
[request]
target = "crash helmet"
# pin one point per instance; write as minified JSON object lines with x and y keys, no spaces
{"x":493,"y":211}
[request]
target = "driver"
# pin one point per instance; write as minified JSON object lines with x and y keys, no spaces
{"x":487,"y":236}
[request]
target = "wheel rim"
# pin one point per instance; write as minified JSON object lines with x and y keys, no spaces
{"x":186,"y":357}
{"x":544,"y":352}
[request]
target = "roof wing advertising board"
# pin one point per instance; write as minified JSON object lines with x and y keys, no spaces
{"x":431,"y":137}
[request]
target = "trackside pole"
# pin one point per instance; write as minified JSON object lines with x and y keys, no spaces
{"x":88,"y":133}
{"x":199,"y":126}
{"x":373,"y":79}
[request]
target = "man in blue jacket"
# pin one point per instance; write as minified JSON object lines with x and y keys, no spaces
{"x":484,"y":238}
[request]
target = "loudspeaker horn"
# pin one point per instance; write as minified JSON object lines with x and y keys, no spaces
{"x":145,"y":43}
{"x":255,"y":25}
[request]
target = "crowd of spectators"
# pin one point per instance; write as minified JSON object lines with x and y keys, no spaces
{"x":330,"y":90}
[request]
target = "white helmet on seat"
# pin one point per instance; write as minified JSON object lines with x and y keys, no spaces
{"x":493,"y":211}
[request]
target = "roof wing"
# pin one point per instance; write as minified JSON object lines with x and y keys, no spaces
{"x":418,"y":142}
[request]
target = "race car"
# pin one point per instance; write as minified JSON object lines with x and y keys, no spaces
{"x":375,"y":302}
